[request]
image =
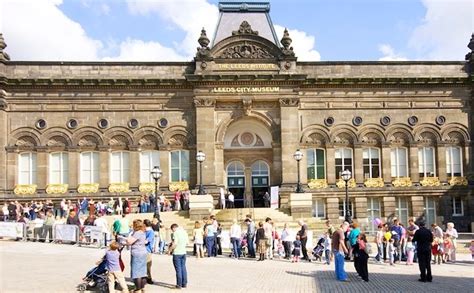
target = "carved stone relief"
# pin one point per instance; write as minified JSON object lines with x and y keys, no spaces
{"x":245,"y":51}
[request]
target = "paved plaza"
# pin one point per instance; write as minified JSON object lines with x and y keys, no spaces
{"x":41,"y":267}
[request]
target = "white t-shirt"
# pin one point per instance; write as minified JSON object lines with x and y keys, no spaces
{"x":235,"y":231}
{"x":231,"y":197}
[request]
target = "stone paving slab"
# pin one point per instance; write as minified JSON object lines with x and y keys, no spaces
{"x":44,"y":267}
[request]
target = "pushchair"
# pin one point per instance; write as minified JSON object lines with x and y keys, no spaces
{"x":95,"y":278}
{"x":318,"y":250}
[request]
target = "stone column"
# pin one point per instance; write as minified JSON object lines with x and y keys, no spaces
{"x":74,"y":167}
{"x":104,"y":159}
{"x":165,"y":167}
{"x":413,"y":161}
{"x":418,"y":206}
{"x":219,"y":164}
{"x":134,"y":170}
{"x":248,"y":187}
{"x":332,"y":210}
{"x":205,"y":137}
{"x":11,"y":167}
{"x":330,"y":164}
{"x":276,"y":166}
{"x":290,"y":136}
{"x":358,"y":166}
{"x":441,"y":163}
{"x":42,"y":170}
{"x":386,"y":164}
{"x":389,"y":206}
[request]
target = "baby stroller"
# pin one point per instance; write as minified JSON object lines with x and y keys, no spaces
{"x":95,"y":278}
{"x":319,"y":249}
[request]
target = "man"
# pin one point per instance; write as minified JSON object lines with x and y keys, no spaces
{"x":125,"y":206}
{"x":48,"y":226}
{"x":150,"y":242}
{"x":437,"y":231}
{"x":423,"y":238}
{"x":339,"y":249}
{"x":268,"y":227}
{"x":179,"y":240}
{"x":102,"y":224}
{"x":266,"y":199}
{"x":411,"y":229}
{"x":303,"y":233}
{"x":231,"y":200}
{"x":250,"y":235}
{"x":84,"y":206}
{"x":396,"y":238}
{"x":124,"y":226}
{"x":12,"y":211}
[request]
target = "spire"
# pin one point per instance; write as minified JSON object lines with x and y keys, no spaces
{"x":3,"y":55}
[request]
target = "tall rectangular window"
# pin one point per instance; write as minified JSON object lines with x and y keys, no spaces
{"x":119,"y":167}
{"x":426,"y":162}
{"x":179,"y":165}
{"x":27,"y":168}
{"x":58,"y":168}
{"x":458,"y":206}
{"x":402,"y":210}
{"x":343,"y":161}
{"x":371,"y":163}
{"x":399,"y":162}
{"x":454,"y":162}
{"x":319,"y":208}
{"x":373,"y":212}
{"x":89,"y":162}
{"x":316,"y":164}
{"x":430,"y":210}
{"x":148,"y":160}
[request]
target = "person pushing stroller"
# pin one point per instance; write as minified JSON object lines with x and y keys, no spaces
{"x":113,"y":266}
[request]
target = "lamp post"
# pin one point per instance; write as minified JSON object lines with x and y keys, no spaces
{"x":156,"y":174}
{"x":346,"y":176}
{"x":200,"y":157}
{"x":298,"y":155}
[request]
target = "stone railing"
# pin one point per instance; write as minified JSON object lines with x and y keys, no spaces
{"x":342,"y":184}
{"x":458,"y":181}
{"x":146,"y":187}
{"x":179,"y":186}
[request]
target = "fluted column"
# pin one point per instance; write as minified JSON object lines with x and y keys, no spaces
{"x":104,"y":159}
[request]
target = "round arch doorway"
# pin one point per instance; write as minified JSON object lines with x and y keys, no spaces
{"x":260,"y":182}
{"x":236,"y":182}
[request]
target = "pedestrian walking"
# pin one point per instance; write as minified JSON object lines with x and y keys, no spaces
{"x":179,"y":240}
{"x":339,"y":249}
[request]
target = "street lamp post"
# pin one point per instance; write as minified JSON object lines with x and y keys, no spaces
{"x":200,"y":157}
{"x":346,"y":176}
{"x":156,"y":174}
{"x":298,"y":155}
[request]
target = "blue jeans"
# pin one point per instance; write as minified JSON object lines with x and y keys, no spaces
{"x":379,"y":255}
{"x":179,"y":262}
{"x":250,"y":246}
{"x":235,"y":246}
{"x":327,"y":255}
{"x":341,"y":275}
{"x":210,"y":245}
{"x":162,"y":245}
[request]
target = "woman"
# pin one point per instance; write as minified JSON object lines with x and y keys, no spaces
{"x":209,"y":232}
{"x":453,"y":235}
{"x":235,"y":234}
{"x":137,"y":242}
{"x":353,"y":237}
{"x":261,"y":241}
{"x":198,"y":236}
{"x":361,"y":249}
{"x":286,"y":239}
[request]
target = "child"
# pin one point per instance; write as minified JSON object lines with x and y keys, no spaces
{"x":296,"y":249}
{"x":436,"y":250}
{"x":280,"y":249}
{"x":198,"y":235}
{"x":112,"y":258}
{"x":448,"y":246}
{"x":391,"y":250}
{"x":327,"y":248}
{"x":161,"y":248}
{"x":410,"y":252}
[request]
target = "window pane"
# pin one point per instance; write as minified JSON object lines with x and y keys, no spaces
{"x":311,"y":173}
{"x":310,"y":157}
{"x":175,"y":159}
{"x":402,"y":162}
{"x":320,"y":172}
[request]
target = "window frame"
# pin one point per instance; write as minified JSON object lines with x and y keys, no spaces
{"x":370,"y":212}
{"x":145,"y":171}
{"x":180,"y":164}
{"x":423,"y":165}
{"x":95,"y":159}
{"x":397,"y":162}
{"x":449,"y":161}
{"x":342,"y":213}
{"x":368,"y":150}
{"x":32,"y":168}
{"x":399,"y":209}
{"x":315,"y":208}
{"x":124,"y":176}
{"x":344,"y":167}
{"x":63,"y":172}
{"x":455,"y":213}
{"x":315,"y":165}
{"x":428,"y":209}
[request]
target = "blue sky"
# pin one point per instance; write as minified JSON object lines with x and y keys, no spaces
{"x":326,"y":30}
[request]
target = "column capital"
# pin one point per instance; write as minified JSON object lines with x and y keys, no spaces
{"x":207,"y":102}
{"x":289,"y":102}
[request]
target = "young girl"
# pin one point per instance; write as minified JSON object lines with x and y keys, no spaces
{"x":280,"y":249}
{"x":448,"y":246}
{"x":391,"y":251}
{"x":296,"y":249}
{"x":410,"y":248}
{"x":436,"y":250}
{"x":198,"y":235}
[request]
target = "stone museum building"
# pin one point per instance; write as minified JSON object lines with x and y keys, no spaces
{"x":403,"y":129}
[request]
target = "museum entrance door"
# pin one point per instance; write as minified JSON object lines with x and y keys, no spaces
{"x":260,"y":182}
{"x":236,"y":182}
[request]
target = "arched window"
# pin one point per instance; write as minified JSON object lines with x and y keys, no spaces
{"x":343,"y":161}
{"x":235,"y":174}
{"x":371,"y":162}
{"x":316,"y":162}
{"x":454,"y":162}
{"x":148,"y":160}
{"x":399,"y":162}
{"x":89,"y":162}
{"x":27,"y":168}
{"x":58,"y":168}
{"x":179,"y":165}
{"x":119,"y":167}
{"x":259,"y":168}
{"x":426,"y":162}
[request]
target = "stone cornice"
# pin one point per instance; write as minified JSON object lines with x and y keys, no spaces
{"x":384,"y":81}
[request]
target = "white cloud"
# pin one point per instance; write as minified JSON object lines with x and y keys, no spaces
{"x":138,"y":50}
{"x":389,"y":54}
{"x":39,"y":30}
{"x":445,"y":31}
{"x":303,"y":44}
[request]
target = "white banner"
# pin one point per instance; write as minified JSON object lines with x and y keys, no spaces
{"x":274,"y":197}
{"x":66,"y":232}
{"x":11,"y":229}
{"x":94,"y":232}
{"x":225,"y":239}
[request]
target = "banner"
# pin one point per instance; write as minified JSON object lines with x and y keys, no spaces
{"x":225,"y":239}
{"x":274,"y":197}
{"x":66,"y":232}
{"x":94,"y":232}
{"x":11,"y":229}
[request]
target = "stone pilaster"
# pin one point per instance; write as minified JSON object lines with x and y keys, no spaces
{"x":74,"y":167}
{"x":331,"y":164}
{"x":389,"y":206}
{"x":332,"y":209}
{"x":290,"y":136}
{"x":468,"y":164}
{"x":418,"y":206}
{"x":413,"y":162}
{"x":219,"y":164}
{"x":42,"y":170}
{"x":304,"y":168}
{"x":134,"y":170}
{"x":205,"y":137}
{"x":248,"y":187}
{"x":358,"y":160}
{"x":165,"y":168}
{"x":301,"y":205}
{"x":12,"y":168}
{"x":104,"y":171}
{"x":441,"y":163}
{"x":276,"y":166}
{"x":386,"y":164}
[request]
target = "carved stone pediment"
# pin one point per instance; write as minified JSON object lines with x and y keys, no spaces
{"x":245,"y":29}
{"x":245,"y":51}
